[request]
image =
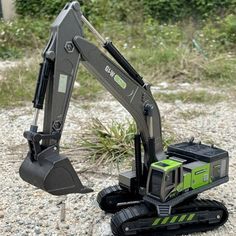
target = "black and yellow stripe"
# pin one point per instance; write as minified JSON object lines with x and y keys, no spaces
{"x":174,"y":219}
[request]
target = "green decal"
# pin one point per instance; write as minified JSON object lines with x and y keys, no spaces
{"x":182,"y":218}
{"x":174,"y":218}
{"x":190,"y":217}
{"x":165,"y":220}
{"x":120,"y":81}
{"x":200,"y":172}
{"x":200,"y":176}
{"x":156,"y":221}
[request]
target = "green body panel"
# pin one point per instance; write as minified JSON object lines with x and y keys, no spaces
{"x":201,"y":176}
{"x":187,"y":181}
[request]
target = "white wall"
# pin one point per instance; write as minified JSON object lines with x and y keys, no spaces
{"x":8,"y":9}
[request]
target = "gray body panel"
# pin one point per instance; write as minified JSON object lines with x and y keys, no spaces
{"x":65,"y":66}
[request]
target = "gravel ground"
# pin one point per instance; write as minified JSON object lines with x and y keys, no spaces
{"x":25,"y":210}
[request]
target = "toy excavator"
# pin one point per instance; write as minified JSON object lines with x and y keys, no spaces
{"x":158,"y":196}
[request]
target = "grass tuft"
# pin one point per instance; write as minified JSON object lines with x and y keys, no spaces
{"x":109,"y":143}
{"x":18,"y":84}
{"x":89,"y":87}
{"x":112,"y":143}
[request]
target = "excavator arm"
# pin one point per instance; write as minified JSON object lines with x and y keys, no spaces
{"x":44,"y":167}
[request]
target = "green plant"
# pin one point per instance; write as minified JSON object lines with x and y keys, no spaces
{"x":21,"y":34}
{"x":221,"y":70}
{"x":219,"y":34}
{"x":127,"y":10}
{"x":35,"y":8}
{"x":89,"y":87}
{"x":18,"y":84}
{"x":109,"y":143}
{"x":98,"y":10}
{"x":165,"y":10}
{"x":113,"y":142}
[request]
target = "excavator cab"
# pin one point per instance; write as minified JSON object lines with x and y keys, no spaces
{"x":164,"y":178}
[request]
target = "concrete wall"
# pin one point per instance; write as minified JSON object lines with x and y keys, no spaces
{"x":8,"y":9}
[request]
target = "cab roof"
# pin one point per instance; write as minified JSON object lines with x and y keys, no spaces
{"x":166,"y":165}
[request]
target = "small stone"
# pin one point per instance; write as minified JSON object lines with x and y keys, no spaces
{"x":37,"y":230}
{"x":8,"y":228}
{"x":21,"y":222}
{"x":1,"y":215}
{"x":67,"y":226}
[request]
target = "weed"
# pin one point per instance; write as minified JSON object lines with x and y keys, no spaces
{"x":113,"y":142}
{"x":221,"y":70}
{"x":89,"y":87}
{"x":109,"y":143}
{"x":22,"y":35}
{"x":18,"y":84}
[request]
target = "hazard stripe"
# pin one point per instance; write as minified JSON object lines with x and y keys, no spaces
{"x":182,"y":218}
{"x":174,"y":218}
{"x":165,"y":220}
{"x":156,"y":222}
{"x":190,"y":217}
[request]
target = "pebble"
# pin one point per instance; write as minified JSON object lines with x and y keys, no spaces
{"x":1,"y":215}
{"x":37,"y":230}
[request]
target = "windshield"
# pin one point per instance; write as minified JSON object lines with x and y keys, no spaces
{"x":155,"y":183}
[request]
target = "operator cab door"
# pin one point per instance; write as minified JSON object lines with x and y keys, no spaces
{"x":155,"y":185}
{"x":172,"y":179}
{"x":161,"y":184}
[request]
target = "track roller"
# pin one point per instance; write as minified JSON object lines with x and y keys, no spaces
{"x":115,"y":198}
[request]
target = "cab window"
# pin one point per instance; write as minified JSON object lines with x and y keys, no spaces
{"x":155,"y":183}
{"x":170,"y":178}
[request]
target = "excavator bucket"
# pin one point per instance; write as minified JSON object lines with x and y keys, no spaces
{"x":52,"y":173}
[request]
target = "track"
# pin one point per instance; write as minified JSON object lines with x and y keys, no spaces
{"x":197,"y":216}
{"x":115,"y":198}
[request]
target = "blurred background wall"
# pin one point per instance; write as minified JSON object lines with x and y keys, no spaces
{"x":7,"y":9}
